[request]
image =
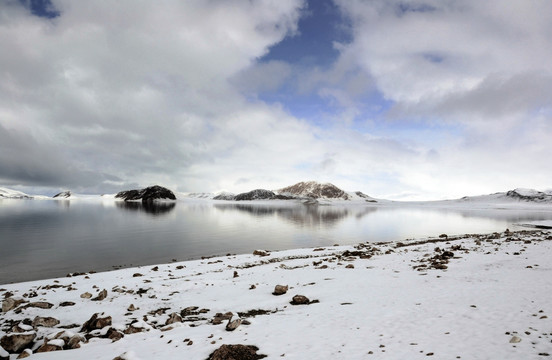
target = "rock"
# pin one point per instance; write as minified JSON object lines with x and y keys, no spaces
{"x":52,"y":345}
{"x":25,"y":354}
{"x":14,"y":343}
{"x":67,"y":303}
{"x":132,"y":308}
{"x":147,"y":195}
{"x":236,"y":274}
{"x":350,"y":266}
{"x":114,"y":334}
{"x":233,"y":325}
{"x":45,"y":321}
{"x":74,"y":342}
{"x":11,"y":303}
{"x":173,"y":318}
{"x":21,"y":328}
{"x":280,"y":290}
{"x":257,"y":194}
{"x":96,"y":323}
{"x":63,"y":194}
{"x":300,"y":300}
{"x":515,"y":339}
{"x":261,"y":253}
{"x":101,"y":296}
{"x":219,"y":318}
{"x":133,"y":330}
{"x":86,"y":295}
{"x":235,"y":352}
{"x":39,"y":304}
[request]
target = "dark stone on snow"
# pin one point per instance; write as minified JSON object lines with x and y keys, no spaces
{"x":235,"y":352}
{"x":95,"y":323}
{"x":15,"y":343}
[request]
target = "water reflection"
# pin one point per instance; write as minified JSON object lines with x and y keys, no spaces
{"x":300,"y":215}
{"x":155,"y":208}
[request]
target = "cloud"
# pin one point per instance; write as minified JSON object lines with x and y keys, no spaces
{"x":139,"y":93}
{"x":420,"y":52}
{"x":425,"y":98}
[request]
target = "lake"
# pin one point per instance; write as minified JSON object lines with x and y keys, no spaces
{"x":42,"y":239}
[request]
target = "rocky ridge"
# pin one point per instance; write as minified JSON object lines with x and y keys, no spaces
{"x":146,"y":195}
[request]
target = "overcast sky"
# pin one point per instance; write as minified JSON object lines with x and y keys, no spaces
{"x":404,"y":100}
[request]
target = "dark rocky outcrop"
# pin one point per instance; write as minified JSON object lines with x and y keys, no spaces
{"x":63,"y":194}
{"x":147,"y":195}
{"x":235,"y":352}
{"x":257,"y":194}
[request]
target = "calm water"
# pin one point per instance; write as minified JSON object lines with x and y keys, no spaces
{"x":44,"y":239}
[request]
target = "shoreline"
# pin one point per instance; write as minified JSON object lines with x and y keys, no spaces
{"x":462,"y":296}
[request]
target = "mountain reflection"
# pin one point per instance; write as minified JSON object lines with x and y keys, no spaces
{"x":155,"y":208}
{"x":301,"y":215}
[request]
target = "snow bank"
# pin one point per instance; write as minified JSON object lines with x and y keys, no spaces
{"x":469,"y":297}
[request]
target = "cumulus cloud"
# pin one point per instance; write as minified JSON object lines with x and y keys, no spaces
{"x":109,"y":95}
{"x":136,"y":92}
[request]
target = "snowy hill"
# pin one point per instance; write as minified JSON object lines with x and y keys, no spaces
{"x":314,"y":190}
{"x":323,"y":191}
{"x":512,"y":196}
{"x":13,"y":194}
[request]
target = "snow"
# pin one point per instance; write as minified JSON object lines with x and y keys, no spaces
{"x":6,"y":193}
{"x":496,"y":286}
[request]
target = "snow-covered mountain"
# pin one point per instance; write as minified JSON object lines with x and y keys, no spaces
{"x":13,"y":194}
{"x":323,"y":191}
{"x":516,"y":195}
{"x":314,"y":190}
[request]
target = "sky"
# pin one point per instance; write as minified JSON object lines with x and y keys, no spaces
{"x":405,"y":100}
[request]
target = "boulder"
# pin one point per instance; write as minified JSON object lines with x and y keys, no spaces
{"x":45,"y":321}
{"x":25,"y":354}
{"x":173,"y":318}
{"x":49,"y":347}
{"x":114,"y":334}
{"x":280,"y":290}
{"x":11,"y":303}
{"x":96,"y":323}
{"x":14,"y":343}
{"x":74,"y":342}
{"x":220,"y":317}
{"x":233,"y":325}
{"x":234,"y":352}
{"x":300,"y":300}
{"x":101,"y":296}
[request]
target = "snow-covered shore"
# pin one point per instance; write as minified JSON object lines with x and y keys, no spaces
{"x":469,"y":297}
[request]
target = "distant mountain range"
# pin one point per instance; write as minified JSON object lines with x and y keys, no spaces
{"x":307,"y":192}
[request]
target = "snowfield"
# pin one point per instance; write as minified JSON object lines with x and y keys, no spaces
{"x":466,"y":297}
